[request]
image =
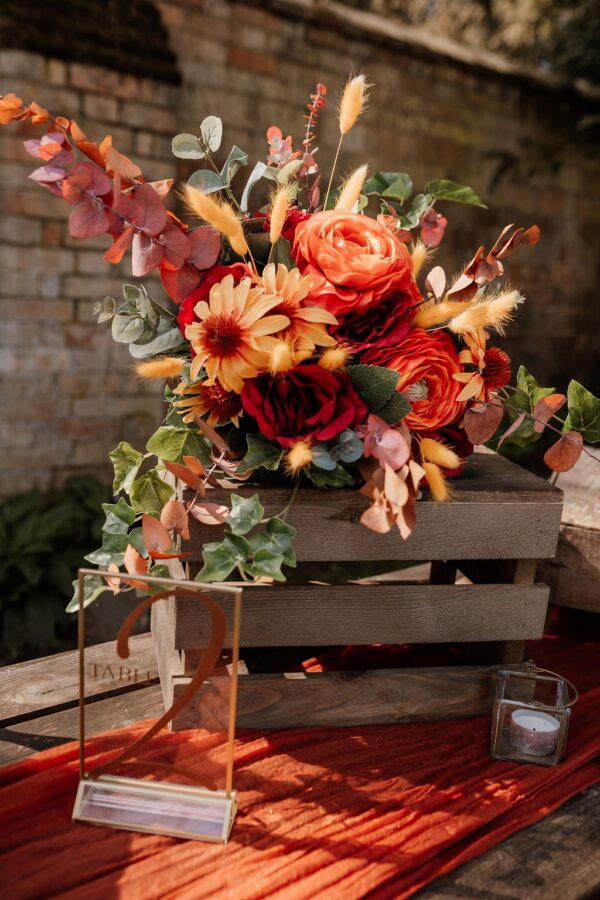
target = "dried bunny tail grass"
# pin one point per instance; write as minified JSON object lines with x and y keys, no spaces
{"x":353,"y":101}
{"x":352,"y":188}
{"x":434,"y":314}
{"x":280,"y":207}
{"x":166,"y":367}
{"x":440,"y":490}
{"x":419,"y":255}
{"x":334,"y":358}
{"x":438,"y":453}
{"x":281,"y":358}
{"x":298,"y":457}
{"x":220,"y":215}
{"x":494,"y":313}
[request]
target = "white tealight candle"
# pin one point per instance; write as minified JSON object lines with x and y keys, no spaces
{"x":533,"y":732}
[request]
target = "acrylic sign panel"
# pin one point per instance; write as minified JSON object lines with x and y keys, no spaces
{"x":157,"y":782}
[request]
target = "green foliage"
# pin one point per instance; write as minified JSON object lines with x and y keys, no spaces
{"x":337,"y":478}
{"x":173,"y":443}
{"x":442,"y":189}
{"x":376,"y":387}
{"x":584,"y":413}
{"x":140,"y":322}
{"x":529,"y":392}
{"x":245,"y":513}
{"x":261,"y":454}
{"x":391,"y":185}
{"x":43,"y":540}
{"x":149,"y":493}
{"x":126,"y":463}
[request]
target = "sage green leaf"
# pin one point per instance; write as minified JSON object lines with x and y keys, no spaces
{"x":348,"y":446}
{"x":381,"y":182}
{"x":126,"y":329}
{"x":168,"y":337}
{"x":259,"y":171}
{"x":93,"y":586}
{"x":211,"y":132}
{"x":126,"y":463}
{"x":375,"y":385}
{"x":206,"y":180}
{"x":236,"y":159}
{"x":187,"y":146}
{"x":149,"y":493}
{"x":584,"y":413}
{"x":322,"y":458}
{"x":266,"y":563}
{"x":119,"y":517}
{"x":105,"y":310}
{"x":281,"y":252}
{"x":339,"y":478}
{"x":221,"y":558}
{"x":420,"y":205}
{"x":392,"y":412}
{"x":261,"y":454}
{"x":172,"y":444}
{"x":443,"y":189}
{"x":136,"y":539}
{"x":288,"y":171}
{"x":277,"y":537}
{"x":245,"y":513}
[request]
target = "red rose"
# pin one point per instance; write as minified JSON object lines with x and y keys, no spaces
{"x":381,"y":326}
{"x":428,"y":361}
{"x":307,"y":403}
{"x":354,"y":262}
{"x":213,"y":276}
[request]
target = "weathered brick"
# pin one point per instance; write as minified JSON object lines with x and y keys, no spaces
{"x":101,"y":108}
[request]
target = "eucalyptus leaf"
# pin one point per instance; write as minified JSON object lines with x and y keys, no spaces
{"x":126,"y":463}
{"x":149,"y":493}
{"x":206,"y":181}
{"x":168,"y":338}
{"x":187,"y":146}
{"x":260,"y":170}
{"x":105,"y":310}
{"x":287,"y":172}
{"x":348,"y":447}
{"x":126,"y":329}
{"x":322,"y":458}
{"x":211,"y":132}
{"x":443,"y":189}
{"x":236,"y":159}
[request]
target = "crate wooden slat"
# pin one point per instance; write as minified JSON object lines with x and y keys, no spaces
{"x":499,"y":511}
{"x":502,"y":521}
{"x":374,"y":614}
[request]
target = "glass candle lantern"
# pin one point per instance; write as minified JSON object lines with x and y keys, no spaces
{"x":531,"y":716}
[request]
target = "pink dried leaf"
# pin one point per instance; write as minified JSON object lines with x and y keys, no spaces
{"x":177,"y":247}
{"x":545,"y":409}
{"x":180,"y":284}
{"x":436,"y":282}
{"x":147,"y":254}
{"x":209,"y":513}
{"x":205,"y":247}
{"x":162,"y":187}
{"x":531,"y":237}
{"x":433,"y":227}
{"x":563,"y":455}
{"x":189,"y":477}
{"x":482,"y":422}
{"x":150,"y":212}
{"x":50,"y":177}
{"x":86,"y":179}
{"x":119,"y":247}
{"x":156,"y":536}
{"x":88,"y":219}
{"x":119,"y":164}
{"x":464,"y":288}
{"x":514,"y":427}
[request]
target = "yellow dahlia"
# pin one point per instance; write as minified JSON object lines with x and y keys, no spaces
{"x":208,"y":400}
{"x":231,"y":337}
{"x":306,"y":328}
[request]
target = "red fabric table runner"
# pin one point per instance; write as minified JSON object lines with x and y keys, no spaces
{"x":374,"y":811}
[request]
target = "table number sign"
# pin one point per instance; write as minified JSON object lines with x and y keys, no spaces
{"x":158,"y":784}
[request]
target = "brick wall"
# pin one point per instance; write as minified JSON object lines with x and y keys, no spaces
{"x":437,"y":110}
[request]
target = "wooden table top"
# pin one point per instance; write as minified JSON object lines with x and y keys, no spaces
{"x":556,"y":859}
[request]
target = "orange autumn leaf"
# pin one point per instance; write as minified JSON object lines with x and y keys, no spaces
{"x":11,"y":107}
{"x":135,"y":564}
{"x":563,"y":455}
{"x":121,"y":165}
{"x":174,"y":517}
{"x":188,"y":476}
{"x":39,"y":115}
{"x":481,"y":422}
{"x":156,"y":536}
{"x":210,"y":513}
{"x":545,"y":409}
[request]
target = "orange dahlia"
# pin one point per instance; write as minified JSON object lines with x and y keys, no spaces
{"x":211,"y":401}
{"x":491,"y":368}
{"x":306,"y":329}
{"x":231,"y":338}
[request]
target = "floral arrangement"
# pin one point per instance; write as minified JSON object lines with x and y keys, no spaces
{"x":298,"y":338}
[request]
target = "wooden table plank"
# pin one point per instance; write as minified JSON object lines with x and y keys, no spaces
{"x":558,"y":858}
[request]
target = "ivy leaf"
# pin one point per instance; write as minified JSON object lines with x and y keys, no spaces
{"x":211,"y":132}
{"x":375,"y":385}
{"x":236,"y":159}
{"x":93,"y":586}
{"x":112,"y":550}
{"x":528,"y":395}
{"x":584,"y":413}
{"x":245,"y":513}
{"x":339,"y":478}
{"x":119,"y":517}
{"x":277,"y":538}
{"x":187,"y":146}
{"x":394,"y":410}
{"x":206,"y":181}
{"x":126,"y":463}
{"x":261,"y":454}
{"x":266,"y":563}
{"x":172,"y":444}
{"x":221,"y":558}
{"x":149,"y":493}
{"x":443,"y":189}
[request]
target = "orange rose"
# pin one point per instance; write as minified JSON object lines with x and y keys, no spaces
{"x":427,"y":360}
{"x":354,"y":262}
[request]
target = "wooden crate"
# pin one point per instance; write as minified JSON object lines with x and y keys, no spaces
{"x":502,"y":521}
